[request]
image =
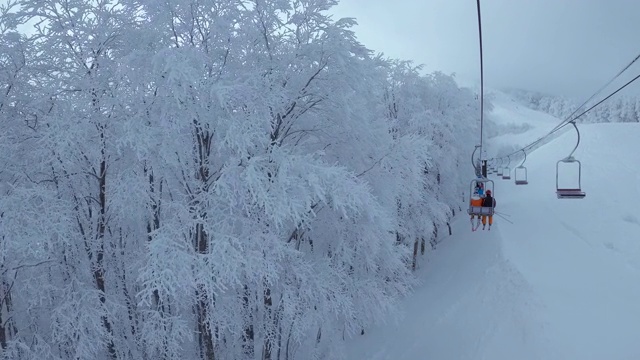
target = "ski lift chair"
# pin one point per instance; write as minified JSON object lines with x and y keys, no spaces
{"x":520,"y":175}
{"x":520,"y":172}
{"x":570,"y":192}
{"x":500,"y":168}
{"x":506,"y":172}
{"x":492,"y":167}
{"x":480,"y":210}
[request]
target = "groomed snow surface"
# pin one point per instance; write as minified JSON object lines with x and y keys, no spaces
{"x":559,"y":280}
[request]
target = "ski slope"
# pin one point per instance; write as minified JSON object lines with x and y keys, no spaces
{"x":512,"y":125}
{"x":559,"y":280}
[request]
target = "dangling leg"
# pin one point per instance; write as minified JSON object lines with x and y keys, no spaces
{"x":477,"y":224}
{"x":484,"y":221}
{"x":490,"y":221}
{"x":475,"y":227}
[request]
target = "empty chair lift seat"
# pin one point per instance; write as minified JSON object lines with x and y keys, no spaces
{"x":520,"y":174}
{"x":570,"y":193}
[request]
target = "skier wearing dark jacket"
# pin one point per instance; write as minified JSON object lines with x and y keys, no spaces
{"x":488,"y":201}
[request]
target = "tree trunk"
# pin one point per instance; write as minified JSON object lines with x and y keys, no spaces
{"x":153,"y":224}
{"x":205,"y":337}
{"x":248,"y":335}
{"x":415,"y":254}
{"x":267,"y":347}
{"x":203,"y":303}
{"x":7,"y":326}
{"x":98,"y":273}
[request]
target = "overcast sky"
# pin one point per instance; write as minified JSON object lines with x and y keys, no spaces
{"x":563,"y":47}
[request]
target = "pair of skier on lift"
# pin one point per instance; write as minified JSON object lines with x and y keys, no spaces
{"x":484,"y":200}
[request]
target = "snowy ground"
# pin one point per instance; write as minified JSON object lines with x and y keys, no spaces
{"x":559,"y":280}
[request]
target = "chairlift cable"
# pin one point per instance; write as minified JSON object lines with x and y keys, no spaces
{"x":569,"y":119}
{"x":481,"y":78}
{"x":594,"y":105}
{"x":605,"y":99}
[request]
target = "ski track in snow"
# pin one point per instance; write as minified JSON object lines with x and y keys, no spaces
{"x":561,"y":282}
{"x":466,"y":312}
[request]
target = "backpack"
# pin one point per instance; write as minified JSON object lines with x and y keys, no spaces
{"x":486,"y":202}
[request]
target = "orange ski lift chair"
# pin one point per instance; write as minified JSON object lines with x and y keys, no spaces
{"x":500,"y":168}
{"x":475,"y":201}
{"x":520,"y":172}
{"x":572,"y":192}
{"x":506,"y":172}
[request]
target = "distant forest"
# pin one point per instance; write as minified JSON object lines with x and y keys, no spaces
{"x":616,"y":109}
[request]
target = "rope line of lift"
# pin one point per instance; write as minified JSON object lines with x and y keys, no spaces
{"x":477,"y":204}
{"x":575,"y":191}
{"x":569,"y":121}
{"x":565,"y":192}
{"x":571,"y":118}
{"x":572,"y":192}
{"x":603,"y":100}
{"x":481,"y":78}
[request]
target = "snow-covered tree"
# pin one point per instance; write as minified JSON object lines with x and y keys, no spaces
{"x":199,"y":179}
{"x":620,"y":108}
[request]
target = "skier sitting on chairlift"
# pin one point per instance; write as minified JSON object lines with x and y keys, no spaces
{"x":476,"y":200}
{"x":488,"y":201}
